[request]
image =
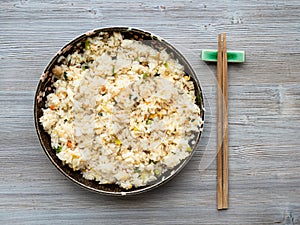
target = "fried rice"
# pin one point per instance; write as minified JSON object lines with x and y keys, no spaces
{"x":122,"y":112}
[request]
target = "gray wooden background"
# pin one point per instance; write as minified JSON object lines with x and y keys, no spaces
{"x":264,"y":112}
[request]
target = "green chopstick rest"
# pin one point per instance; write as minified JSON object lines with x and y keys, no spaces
{"x":211,"y":55}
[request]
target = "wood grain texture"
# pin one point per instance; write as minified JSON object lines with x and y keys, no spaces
{"x":264,"y":112}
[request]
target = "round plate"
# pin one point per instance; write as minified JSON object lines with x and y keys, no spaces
{"x":45,"y":87}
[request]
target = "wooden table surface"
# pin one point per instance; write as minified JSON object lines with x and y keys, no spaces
{"x":264,"y":112}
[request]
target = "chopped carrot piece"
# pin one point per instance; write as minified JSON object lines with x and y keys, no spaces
{"x":52,"y":107}
{"x":69,"y":144}
{"x":152,"y":116}
{"x":103,"y":88}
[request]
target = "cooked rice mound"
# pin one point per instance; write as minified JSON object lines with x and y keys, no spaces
{"x":122,"y":112}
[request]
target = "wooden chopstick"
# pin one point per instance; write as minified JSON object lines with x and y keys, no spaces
{"x":225,"y":125}
{"x":220,"y":125}
{"x":222,"y":130}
